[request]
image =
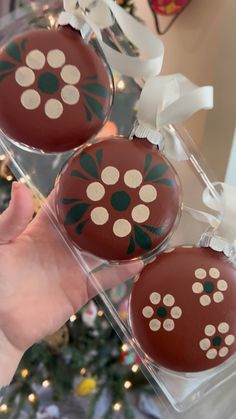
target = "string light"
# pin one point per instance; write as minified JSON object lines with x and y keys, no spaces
{"x":117,"y":406}
{"x":3,"y":408}
{"x":100,"y":313}
{"x":135,"y":368}
{"x":73,"y":318}
{"x":83,"y":371}
{"x":124,"y":347}
{"x":127,"y":384}
{"x":32,"y":398}
{"x":2,"y":157}
{"x":121,"y":85}
{"x":24,"y":373}
{"x":46,"y":383}
{"x":9,"y":178}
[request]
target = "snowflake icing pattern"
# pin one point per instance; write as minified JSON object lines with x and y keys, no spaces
{"x":211,"y":286}
{"x":215,"y":343}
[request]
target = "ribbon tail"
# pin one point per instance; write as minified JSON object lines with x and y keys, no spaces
{"x":172,"y":146}
{"x":202,"y":216}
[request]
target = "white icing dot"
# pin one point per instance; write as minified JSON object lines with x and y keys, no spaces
{"x":223,"y":352}
{"x":70,"y":95}
{"x":229,"y":339}
{"x":133,"y":178}
{"x":205,"y":300}
{"x":214,"y":273}
{"x":176,"y":312}
{"x":155,"y":298}
{"x":223,"y":327}
{"x":121,"y":228}
{"x":110,"y":175}
{"x":168,"y":325}
{"x":24,"y":76}
{"x":187,"y":247}
{"x":205,"y":344}
{"x":99,"y":216}
{"x":210,"y":330}
{"x":218,"y":297}
{"x":140,"y":213}
{"x":95,"y":191}
{"x":148,"y":312}
{"x":148,"y":193}
{"x":211,"y":354}
{"x":53,"y":109}
{"x":169,"y":300}
{"x":70,"y":74}
{"x":35,"y":59}
{"x":154,"y":325}
{"x":200,"y":273}
{"x":30,"y":99}
{"x":222,"y":285}
{"x":197,"y":287}
{"x":56,"y":58}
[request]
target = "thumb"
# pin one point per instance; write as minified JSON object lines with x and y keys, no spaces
{"x":15,"y":219}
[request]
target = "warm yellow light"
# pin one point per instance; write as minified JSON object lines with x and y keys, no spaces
{"x":83,"y":371}
{"x":100,"y":313}
{"x":46,"y":383}
{"x":127,"y":384}
{"x":2,"y":157}
{"x":124,"y":347}
{"x":9,"y":178}
{"x":121,"y":85}
{"x":73,"y":318}
{"x":32,"y":398}
{"x":117,"y":406}
{"x":3,"y":408}
{"x":135,"y":368}
{"x":52,"y":20}
{"x":24,"y":373}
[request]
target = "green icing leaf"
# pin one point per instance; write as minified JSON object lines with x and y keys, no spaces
{"x":96,"y":89}
{"x":88,"y":113}
{"x":80,"y":227}
{"x":23,"y":44}
{"x":96,"y":107}
{"x":6,"y":65}
{"x":154,"y":230}
{"x":148,"y":161}
{"x":167,"y":182}
{"x":89,"y":165}
{"x":2,"y":76}
{"x":142,"y":238}
{"x":99,"y":155}
{"x":14,"y":51}
{"x":67,"y":201}
{"x":131,"y":247}
{"x":76,"y":213}
{"x":156,"y":172}
{"x":78,"y":174}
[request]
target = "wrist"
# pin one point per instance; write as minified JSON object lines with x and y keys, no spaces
{"x":10,"y":358}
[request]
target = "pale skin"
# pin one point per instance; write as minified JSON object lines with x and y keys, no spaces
{"x":41,"y":283}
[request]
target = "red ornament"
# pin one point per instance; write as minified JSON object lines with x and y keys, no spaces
{"x":118,"y":199}
{"x":168,"y":7}
{"x":182,"y":309}
{"x":55,"y":91}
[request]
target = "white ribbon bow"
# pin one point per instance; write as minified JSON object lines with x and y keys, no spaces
{"x":223,"y":202}
{"x":168,"y":100}
{"x":99,"y":14}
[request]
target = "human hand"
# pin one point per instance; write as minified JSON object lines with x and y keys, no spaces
{"x":41,"y":283}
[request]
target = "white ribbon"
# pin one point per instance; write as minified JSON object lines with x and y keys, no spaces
{"x":169,"y":100}
{"x":223,"y":202}
{"x":100,"y":15}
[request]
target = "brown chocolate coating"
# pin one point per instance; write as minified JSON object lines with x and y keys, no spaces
{"x":182,"y":309}
{"x":118,"y":199}
{"x":55,"y":92}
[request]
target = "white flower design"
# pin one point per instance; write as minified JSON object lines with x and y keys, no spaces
{"x":165,"y":313}
{"x":216,"y":344}
{"x":121,"y":200}
{"x":211,"y":286}
{"x":48,"y":82}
